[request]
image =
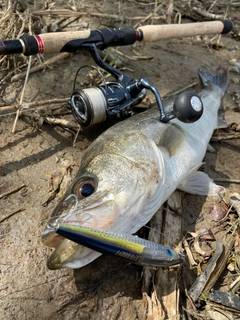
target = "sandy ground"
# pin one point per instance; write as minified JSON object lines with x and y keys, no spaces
{"x":107,"y":288}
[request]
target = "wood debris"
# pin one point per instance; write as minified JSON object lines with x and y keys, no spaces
{"x":59,"y":181}
{"x":7,"y":193}
{"x":209,"y":251}
{"x":165,"y":291}
{"x":11,"y":214}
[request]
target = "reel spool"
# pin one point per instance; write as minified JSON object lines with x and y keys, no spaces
{"x":112,"y":100}
{"x":89,"y":106}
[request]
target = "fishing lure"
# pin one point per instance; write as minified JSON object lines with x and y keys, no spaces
{"x":130,"y":248}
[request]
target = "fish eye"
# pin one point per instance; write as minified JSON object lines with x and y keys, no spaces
{"x":85,"y":188}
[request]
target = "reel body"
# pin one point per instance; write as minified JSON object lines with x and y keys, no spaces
{"x":110,"y":100}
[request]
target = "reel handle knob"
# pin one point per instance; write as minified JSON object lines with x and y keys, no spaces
{"x":188,"y":107}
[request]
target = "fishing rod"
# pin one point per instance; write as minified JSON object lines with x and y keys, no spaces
{"x":115,"y":99}
{"x":55,"y":42}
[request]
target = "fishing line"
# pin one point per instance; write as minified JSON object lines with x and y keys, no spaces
{"x":53,"y":225}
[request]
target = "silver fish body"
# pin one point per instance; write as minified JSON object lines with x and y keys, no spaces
{"x":130,"y":170}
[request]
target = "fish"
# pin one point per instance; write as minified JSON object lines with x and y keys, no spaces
{"x":131,"y":169}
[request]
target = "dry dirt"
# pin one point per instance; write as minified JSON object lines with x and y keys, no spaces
{"x":107,"y":288}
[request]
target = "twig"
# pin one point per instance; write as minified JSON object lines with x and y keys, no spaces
{"x":152,"y":15}
{"x":225,"y":137}
{"x":12,"y":72}
{"x":63,"y":122}
{"x":234,"y":282}
{"x":12,"y":191}
{"x":76,"y":136}
{"x":191,"y":260}
{"x":226,"y":180}
{"x":179,"y":91}
{"x":192,"y":313}
{"x":136,"y":57}
{"x":233,"y":4}
{"x":189,"y":298}
{"x":28,"y":68}
{"x":66,"y":24}
{"x":220,"y":266}
{"x":6,"y":110}
{"x":11,"y":214}
{"x":219,"y":36}
{"x":235,"y":203}
{"x":46,"y":63}
{"x":207,"y":15}
{"x":200,"y":283}
{"x":22,"y":94}
{"x":212,"y":5}
{"x":169,"y":11}
{"x":70,"y":13}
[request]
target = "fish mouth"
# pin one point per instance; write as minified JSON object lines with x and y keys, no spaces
{"x":99,"y":213}
{"x":67,"y":254}
{"x":70,"y":255}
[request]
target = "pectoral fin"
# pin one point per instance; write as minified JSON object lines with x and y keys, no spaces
{"x":172,"y":139}
{"x":200,"y":183}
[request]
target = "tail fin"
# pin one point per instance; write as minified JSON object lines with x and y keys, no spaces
{"x":220,"y":80}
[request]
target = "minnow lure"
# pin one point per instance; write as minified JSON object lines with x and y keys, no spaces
{"x":130,"y":248}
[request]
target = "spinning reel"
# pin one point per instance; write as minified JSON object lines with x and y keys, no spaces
{"x":115,"y":100}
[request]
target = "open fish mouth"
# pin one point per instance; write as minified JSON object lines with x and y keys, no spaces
{"x":67,"y":254}
{"x":100,"y":212}
{"x":71,"y":255}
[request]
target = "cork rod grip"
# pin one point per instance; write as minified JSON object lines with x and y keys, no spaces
{"x":153,"y":33}
{"x":54,"y":42}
